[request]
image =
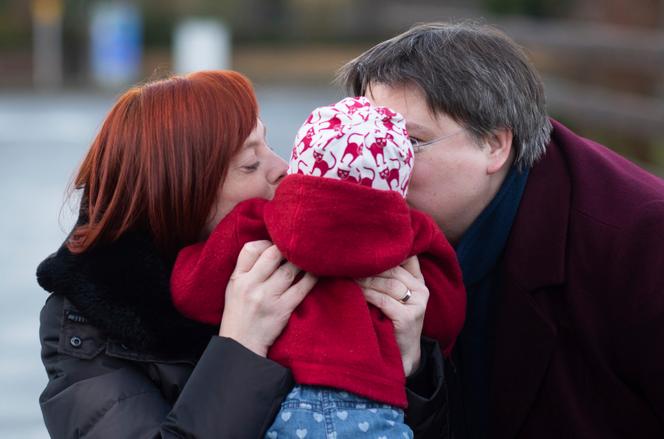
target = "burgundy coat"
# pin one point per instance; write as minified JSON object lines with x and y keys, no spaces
{"x":579,"y":349}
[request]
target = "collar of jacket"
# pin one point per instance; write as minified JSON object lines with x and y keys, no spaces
{"x":483,"y":243}
{"x":123,"y":289}
{"x":539,"y":233}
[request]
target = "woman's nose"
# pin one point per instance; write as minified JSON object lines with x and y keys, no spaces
{"x":278,"y":168}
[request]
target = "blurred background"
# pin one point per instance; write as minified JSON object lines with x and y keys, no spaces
{"x":63,"y":62}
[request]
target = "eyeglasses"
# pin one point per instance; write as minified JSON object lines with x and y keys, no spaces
{"x":419,"y":146}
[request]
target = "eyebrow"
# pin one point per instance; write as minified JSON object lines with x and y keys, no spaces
{"x":419,"y":129}
{"x":250,"y":145}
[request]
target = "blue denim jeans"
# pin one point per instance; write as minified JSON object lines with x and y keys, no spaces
{"x":321,"y":412}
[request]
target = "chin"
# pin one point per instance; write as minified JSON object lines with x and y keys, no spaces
{"x":422,"y":206}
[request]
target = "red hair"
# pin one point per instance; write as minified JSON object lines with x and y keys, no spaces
{"x":160,"y":158}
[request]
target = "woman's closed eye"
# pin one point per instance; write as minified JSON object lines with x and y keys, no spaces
{"x":252,"y":167}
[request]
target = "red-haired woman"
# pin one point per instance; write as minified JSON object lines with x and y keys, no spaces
{"x":172,"y":158}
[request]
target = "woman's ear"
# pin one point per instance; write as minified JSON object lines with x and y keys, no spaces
{"x":500,"y":147}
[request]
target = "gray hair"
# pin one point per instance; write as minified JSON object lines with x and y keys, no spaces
{"x":471,"y":72}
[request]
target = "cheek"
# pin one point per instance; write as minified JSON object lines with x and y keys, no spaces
{"x":423,"y":188}
{"x":258,"y":187}
{"x":236,"y":189}
{"x":444,"y":188}
{"x":244,"y":187}
{"x":427,"y":177}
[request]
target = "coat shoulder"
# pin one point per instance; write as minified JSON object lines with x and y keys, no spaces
{"x":616,"y":217}
{"x":607,"y":187}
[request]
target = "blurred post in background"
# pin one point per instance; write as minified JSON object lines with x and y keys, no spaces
{"x":47,"y":43}
{"x":201,"y":44}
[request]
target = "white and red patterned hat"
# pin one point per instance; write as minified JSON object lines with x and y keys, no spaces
{"x":355,"y":141}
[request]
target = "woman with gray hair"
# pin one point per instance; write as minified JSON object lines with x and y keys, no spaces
{"x":560,"y":241}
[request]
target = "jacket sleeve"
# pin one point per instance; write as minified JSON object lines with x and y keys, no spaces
{"x":426,"y":390}
{"x":230,"y":393}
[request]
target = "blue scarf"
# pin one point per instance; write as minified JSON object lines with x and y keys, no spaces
{"x":479,"y":253}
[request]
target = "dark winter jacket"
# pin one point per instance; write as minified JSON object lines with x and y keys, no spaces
{"x":122,"y":363}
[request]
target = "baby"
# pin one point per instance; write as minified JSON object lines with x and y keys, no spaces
{"x":341,"y":215}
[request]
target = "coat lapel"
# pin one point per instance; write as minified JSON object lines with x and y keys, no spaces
{"x":534,"y":262}
{"x":524,"y":343}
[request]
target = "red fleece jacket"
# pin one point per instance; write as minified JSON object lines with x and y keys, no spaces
{"x":338,"y":231}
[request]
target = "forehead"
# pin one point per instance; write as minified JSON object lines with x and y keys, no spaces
{"x":256,"y":134}
{"x":404,"y":98}
{"x":259,"y":129}
{"x":410,"y":101}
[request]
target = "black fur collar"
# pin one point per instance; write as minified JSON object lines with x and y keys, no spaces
{"x":123,"y":289}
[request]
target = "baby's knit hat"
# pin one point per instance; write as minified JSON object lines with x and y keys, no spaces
{"x":357,"y":142}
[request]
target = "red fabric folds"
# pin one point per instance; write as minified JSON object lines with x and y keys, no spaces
{"x":338,"y":231}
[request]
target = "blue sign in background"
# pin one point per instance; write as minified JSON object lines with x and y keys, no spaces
{"x":116,"y":40}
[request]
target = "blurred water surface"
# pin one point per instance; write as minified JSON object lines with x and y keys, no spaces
{"x":42,"y":140}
